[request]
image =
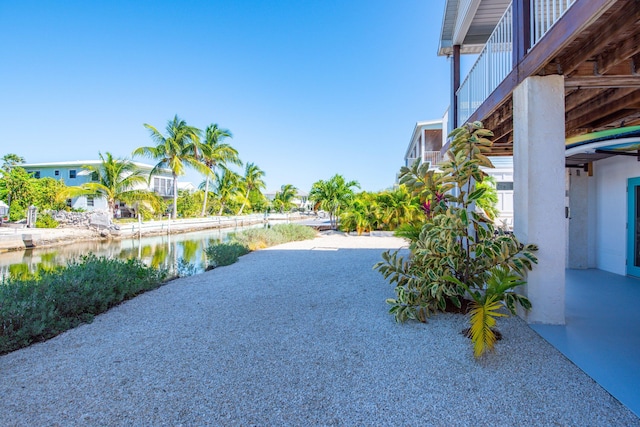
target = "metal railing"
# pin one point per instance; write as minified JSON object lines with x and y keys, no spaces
{"x":493,"y":64}
{"x":495,"y":61}
{"x":545,"y":13}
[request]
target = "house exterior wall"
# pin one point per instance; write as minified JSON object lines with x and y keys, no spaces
{"x":611,"y":211}
{"x":73,"y":174}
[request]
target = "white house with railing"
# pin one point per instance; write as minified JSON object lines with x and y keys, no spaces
{"x":75,"y":173}
{"x":547,"y":72}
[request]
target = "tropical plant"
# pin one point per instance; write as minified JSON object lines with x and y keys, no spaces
{"x":216,"y":153}
{"x":252,"y":181}
{"x":180,"y":147}
{"x":362,"y":215}
{"x":189,"y":203}
{"x":457,"y":251}
{"x":489,"y":200}
{"x":496,"y":293}
{"x":398,"y":207}
{"x":226,"y":187}
{"x":118,"y":179}
{"x":283,"y":199}
{"x":10,"y":160}
{"x":333,"y":195}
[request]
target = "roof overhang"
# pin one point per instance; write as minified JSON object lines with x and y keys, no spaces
{"x":469,"y":24}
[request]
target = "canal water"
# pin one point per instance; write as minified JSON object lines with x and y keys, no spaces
{"x":181,"y":254}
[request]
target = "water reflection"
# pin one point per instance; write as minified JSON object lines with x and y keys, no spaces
{"x":165,"y":251}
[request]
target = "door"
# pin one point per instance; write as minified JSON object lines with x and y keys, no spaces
{"x":633,"y":227}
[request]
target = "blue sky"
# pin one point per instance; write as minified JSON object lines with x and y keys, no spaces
{"x":308,"y":88}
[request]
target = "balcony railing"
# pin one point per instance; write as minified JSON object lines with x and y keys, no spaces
{"x":545,"y":13}
{"x":495,"y":61}
{"x":493,"y":64}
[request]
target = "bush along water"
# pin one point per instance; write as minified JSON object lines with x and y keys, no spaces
{"x":42,"y":306}
{"x":456,"y":251}
{"x":227,"y":253}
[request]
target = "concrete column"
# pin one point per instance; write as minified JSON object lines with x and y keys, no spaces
{"x":539,"y":191}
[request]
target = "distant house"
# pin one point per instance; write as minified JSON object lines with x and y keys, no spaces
{"x":426,"y":144}
{"x":74,"y":173}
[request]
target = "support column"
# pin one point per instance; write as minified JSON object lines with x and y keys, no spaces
{"x":455,"y":85}
{"x":539,"y":191}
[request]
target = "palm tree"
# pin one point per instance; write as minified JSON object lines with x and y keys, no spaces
{"x":333,"y":195}
{"x":181,"y":146}
{"x":398,"y":207}
{"x":283,"y":197}
{"x":252,"y":181}
{"x":118,"y":179}
{"x":10,"y":160}
{"x":216,"y":153}
{"x":226,"y":187}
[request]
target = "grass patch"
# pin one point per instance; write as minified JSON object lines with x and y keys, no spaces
{"x":37,"y":308}
{"x":256,"y":238}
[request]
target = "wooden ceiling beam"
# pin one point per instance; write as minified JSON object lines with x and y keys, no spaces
{"x":581,"y":117}
{"x":596,"y":103}
{"x":580,"y":96}
{"x":627,"y":48}
{"x":624,"y":18}
{"x":603,"y":82}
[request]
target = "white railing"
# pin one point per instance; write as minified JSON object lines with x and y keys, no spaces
{"x":493,"y":64}
{"x":545,"y":13}
{"x":495,"y":61}
{"x":433,"y":157}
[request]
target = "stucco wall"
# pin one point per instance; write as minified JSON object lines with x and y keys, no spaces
{"x":611,"y":211}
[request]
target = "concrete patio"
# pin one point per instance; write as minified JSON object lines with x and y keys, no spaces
{"x":602,"y":331}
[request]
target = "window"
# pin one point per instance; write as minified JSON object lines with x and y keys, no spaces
{"x":505,"y":186}
{"x":56,"y":173}
{"x":89,"y":201}
{"x":72,"y":173}
{"x":36,"y":174}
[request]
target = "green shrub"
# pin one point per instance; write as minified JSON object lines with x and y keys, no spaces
{"x":260,"y":238}
{"x":256,"y":238}
{"x":46,"y":221}
{"x":222,"y":254}
{"x":37,"y":308}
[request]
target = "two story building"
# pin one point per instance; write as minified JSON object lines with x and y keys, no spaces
{"x":548,"y":71}
{"x":75,"y":173}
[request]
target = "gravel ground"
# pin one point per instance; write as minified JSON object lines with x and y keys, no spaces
{"x":294,"y":335}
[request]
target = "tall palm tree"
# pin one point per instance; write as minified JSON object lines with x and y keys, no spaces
{"x":118,"y":179}
{"x":284,"y":197}
{"x":216,"y":153}
{"x":333,"y":195}
{"x":252,"y":181}
{"x":226,"y":187}
{"x":180,"y":147}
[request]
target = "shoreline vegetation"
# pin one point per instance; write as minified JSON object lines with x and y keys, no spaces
{"x":15,"y":239}
{"x":51,"y":302}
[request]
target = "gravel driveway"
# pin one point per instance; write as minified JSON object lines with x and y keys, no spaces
{"x":295,"y":335}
